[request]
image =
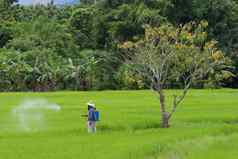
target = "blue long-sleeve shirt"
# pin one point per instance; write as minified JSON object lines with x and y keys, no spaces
{"x":91,"y":115}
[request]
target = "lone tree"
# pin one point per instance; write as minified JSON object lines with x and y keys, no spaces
{"x":181,"y":54}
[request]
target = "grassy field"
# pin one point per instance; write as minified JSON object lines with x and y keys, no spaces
{"x":204,"y":127}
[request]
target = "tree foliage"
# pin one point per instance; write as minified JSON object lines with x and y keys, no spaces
{"x":77,"y":47}
{"x":182,"y":54}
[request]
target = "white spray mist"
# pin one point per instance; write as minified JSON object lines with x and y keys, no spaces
{"x":30,"y":113}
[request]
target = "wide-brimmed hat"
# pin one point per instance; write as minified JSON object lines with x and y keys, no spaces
{"x":91,"y":104}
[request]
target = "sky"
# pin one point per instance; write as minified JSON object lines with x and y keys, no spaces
{"x":28,"y":2}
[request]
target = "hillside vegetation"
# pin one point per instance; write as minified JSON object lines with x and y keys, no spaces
{"x":44,"y":48}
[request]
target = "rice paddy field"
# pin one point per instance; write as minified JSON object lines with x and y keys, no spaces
{"x":51,"y":126}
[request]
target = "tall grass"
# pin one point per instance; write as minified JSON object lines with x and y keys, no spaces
{"x":205,"y":126}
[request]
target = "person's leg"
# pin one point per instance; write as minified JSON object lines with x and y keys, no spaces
{"x":94,"y":127}
{"x":89,"y":127}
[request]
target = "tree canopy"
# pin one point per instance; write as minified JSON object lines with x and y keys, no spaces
{"x":181,"y":55}
{"x":78,"y":47}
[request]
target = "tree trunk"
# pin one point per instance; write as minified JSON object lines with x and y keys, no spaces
{"x":164,"y":114}
{"x":165,"y":120}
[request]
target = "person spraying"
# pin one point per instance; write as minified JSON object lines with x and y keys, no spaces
{"x":93,"y":117}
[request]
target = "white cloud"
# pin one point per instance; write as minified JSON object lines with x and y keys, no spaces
{"x":41,"y":1}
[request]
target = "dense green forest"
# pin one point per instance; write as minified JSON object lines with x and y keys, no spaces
{"x":45,"y":48}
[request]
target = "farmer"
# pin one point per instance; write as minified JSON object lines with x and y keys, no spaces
{"x":91,"y":118}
